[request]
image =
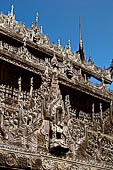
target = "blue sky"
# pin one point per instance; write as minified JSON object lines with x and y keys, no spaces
{"x":60,"y":20}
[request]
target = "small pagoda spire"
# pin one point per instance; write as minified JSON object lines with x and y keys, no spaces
{"x":36,"y":22}
{"x":69,"y":44}
{"x":11,"y":15}
{"x":80,"y":34}
{"x":12,"y":8}
{"x":41,"y":30}
{"x":59,"y":43}
{"x":81,"y":49}
{"x":80,"y":28}
{"x":32,"y":24}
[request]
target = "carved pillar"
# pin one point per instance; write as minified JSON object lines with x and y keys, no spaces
{"x":1,"y":109}
{"x":86,"y":134}
{"x":20,"y":84}
{"x":1,"y":45}
{"x":1,"y":118}
{"x":92,"y":116}
{"x":31,"y":86}
{"x":20,"y":109}
{"x":85,"y":78}
{"x":101,"y":111}
{"x":101,"y":118}
{"x":111,"y":110}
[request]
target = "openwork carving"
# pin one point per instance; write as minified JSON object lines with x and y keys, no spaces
{"x":52,"y":117}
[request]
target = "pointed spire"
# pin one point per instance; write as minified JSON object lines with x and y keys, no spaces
{"x":59,"y":43}
{"x":11,"y":15}
{"x":12,"y":7}
{"x":69,"y":44}
{"x":80,"y":28}
{"x":80,"y":34}
{"x":41,"y":30}
{"x":36,"y":22}
{"x":32,"y":24}
{"x":81,"y":49}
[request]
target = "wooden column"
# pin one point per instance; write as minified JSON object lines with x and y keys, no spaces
{"x":20,"y":84}
{"x":111,"y":110}
{"x":31,"y":86}
{"x":101,"y":121}
{"x":93,"y":110}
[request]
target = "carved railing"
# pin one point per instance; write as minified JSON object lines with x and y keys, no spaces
{"x":13,"y":94}
{"x":42,"y":41}
{"x":23,"y":52}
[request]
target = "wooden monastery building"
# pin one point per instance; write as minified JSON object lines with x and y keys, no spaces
{"x":52,"y":117}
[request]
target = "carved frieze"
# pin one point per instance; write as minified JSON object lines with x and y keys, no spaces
{"x":43,"y":128}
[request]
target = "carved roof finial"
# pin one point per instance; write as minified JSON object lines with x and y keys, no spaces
{"x":80,"y":28}
{"x":69,"y":44}
{"x":81,"y":49}
{"x":11,"y":15}
{"x":81,"y":42}
{"x":36,"y":22}
{"x":59,"y":43}
{"x":32,"y":24}
{"x":12,"y":7}
{"x":41,"y":30}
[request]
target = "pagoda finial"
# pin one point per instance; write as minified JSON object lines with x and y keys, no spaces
{"x":81,"y":49}
{"x":80,"y":28}
{"x":37,"y":15}
{"x":81,"y":42}
{"x":59,"y":43}
{"x":69,"y":44}
{"x":12,"y":8}
{"x":41,"y":30}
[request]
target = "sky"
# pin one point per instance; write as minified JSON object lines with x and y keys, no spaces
{"x":60,"y":20}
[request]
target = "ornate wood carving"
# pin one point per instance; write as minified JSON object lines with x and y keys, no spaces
{"x":49,"y":128}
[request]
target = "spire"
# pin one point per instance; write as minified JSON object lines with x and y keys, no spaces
{"x":41,"y":30}
{"x":81,"y":49}
{"x":12,"y":7}
{"x":36,"y":22}
{"x":11,"y":14}
{"x":59,"y":43}
{"x":80,"y":34}
{"x":69,"y":44}
{"x":80,"y":28}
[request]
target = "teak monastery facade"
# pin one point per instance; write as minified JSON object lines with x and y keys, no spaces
{"x":52,"y":117}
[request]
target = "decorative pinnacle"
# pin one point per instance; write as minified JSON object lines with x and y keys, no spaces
{"x":41,"y":30}
{"x":80,"y":28}
{"x":58,"y":43}
{"x":12,"y":7}
{"x":69,"y":44}
{"x":81,"y":42}
{"x":37,"y":15}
